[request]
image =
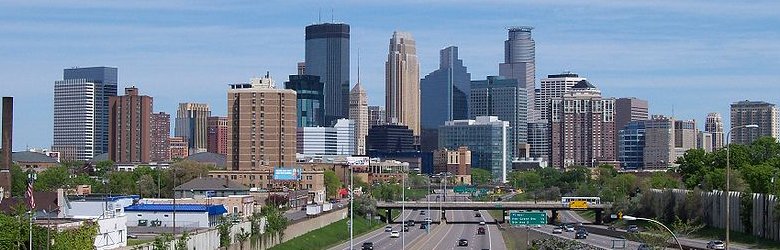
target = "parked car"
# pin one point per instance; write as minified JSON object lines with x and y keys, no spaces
{"x":716,"y":244}
{"x":557,"y":230}
{"x":367,"y":246}
{"x":463,"y":243}
{"x":395,"y":234}
{"x":581,"y":234}
{"x":480,"y":230}
{"x":632,"y":229}
{"x":388,"y":228}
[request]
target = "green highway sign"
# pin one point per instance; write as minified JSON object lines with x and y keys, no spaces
{"x":527,"y":218}
{"x":464,"y":189}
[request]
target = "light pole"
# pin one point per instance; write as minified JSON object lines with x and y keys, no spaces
{"x":728,"y":179}
{"x":351,"y":205}
{"x":632,"y":218}
{"x":403,"y":208}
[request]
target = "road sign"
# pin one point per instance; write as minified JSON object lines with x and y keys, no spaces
{"x":578,"y":204}
{"x":464,"y":189}
{"x":527,"y":218}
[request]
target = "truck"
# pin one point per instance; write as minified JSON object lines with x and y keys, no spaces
{"x":313,"y":210}
{"x":327,"y":207}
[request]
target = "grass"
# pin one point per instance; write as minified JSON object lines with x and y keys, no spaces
{"x":415,"y":193}
{"x":742,"y":238}
{"x":330,"y":235}
{"x":133,"y":242}
{"x":589,"y":215}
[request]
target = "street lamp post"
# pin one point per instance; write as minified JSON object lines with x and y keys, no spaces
{"x":351,"y":205}
{"x":728,"y":179}
{"x":632,"y":218}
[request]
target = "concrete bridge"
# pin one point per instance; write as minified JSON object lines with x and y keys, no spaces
{"x":504,"y":206}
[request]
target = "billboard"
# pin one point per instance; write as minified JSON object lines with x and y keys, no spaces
{"x":287,"y":174}
{"x":357,"y":161}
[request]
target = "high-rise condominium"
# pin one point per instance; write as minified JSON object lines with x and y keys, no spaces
{"x":659,"y":142}
{"x":217,"y":134}
{"x":685,"y":134}
{"x":763,"y":114}
{"x":520,"y":64}
{"x":81,"y":111}
{"x":161,"y":131}
{"x":358,"y":112}
{"x":714,"y":125}
{"x":554,"y":86}
{"x":327,"y":56}
{"x":310,"y":101}
{"x":582,"y":128}
{"x":129,"y":127}
{"x":192,"y":125}
{"x":402,"y":82}
{"x":445,"y":91}
{"x":503,"y":98}
{"x":261,"y":125}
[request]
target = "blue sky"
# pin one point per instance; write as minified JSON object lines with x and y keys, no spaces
{"x":686,"y":57}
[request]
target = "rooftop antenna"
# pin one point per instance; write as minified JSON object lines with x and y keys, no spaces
{"x":268,"y":74}
{"x":358,"y":64}
{"x":331,"y":16}
{"x":319,"y":15}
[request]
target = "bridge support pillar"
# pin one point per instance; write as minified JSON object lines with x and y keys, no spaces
{"x":553,"y":218}
{"x":598,"y":220}
{"x":503,"y":216}
{"x":443,"y":216}
{"x":388,"y":216}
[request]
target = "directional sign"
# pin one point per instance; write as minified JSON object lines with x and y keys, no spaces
{"x":527,"y":218}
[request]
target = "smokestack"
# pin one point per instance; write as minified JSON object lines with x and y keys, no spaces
{"x":5,"y":169}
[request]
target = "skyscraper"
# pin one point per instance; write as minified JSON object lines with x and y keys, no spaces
{"x":445,"y":91}
{"x":554,"y":86}
{"x":503,"y":98}
{"x":714,"y":125}
{"x":217,"y":134}
{"x":520,"y":64}
{"x":402,"y":82}
{"x":376,"y":116}
{"x":81,"y":111}
{"x":628,"y":110}
{"x":763,"y":114}
{"x":582,"y":128}
{"x":129,"y":127}
{"x":685,"y":134}
{"x":309,"y":89}
{"x":261,"y":126}
{"x":327,"y":141}
{"x":487,"y":137}
{"x":631,"y":145}
{"x":659,"y":142}
{"x":358,"y":112}
{"x":704,"y":141}
{"x":327,"y":56}
{"x":192,"y":125}
{"x":161,"y":131}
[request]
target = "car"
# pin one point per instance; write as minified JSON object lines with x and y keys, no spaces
{"x":644,"y":247}
{"x":632,"y":229}
{"x":367,"y":246}
{"x":423,"y":226}
{"x":428,"y":220}
{"x":395,"y":234}
{"x":422,"y":212}
{"x":581,"y":234}
{"x":482,"y":222}
{"x":132,"y":236}
{"x":557,"y":230}
{"x":410,"y":223}
{"x":388,"y":228}
{"x":406,"y":228}
{"x":480,"y":230}
{"x":463,"y":243}
{"x":716,"y":244}
{"x":477,"y":215}
{"x":569,"y":227}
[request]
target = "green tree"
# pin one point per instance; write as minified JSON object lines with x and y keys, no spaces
{"x":332,"y":183}
{"x":758,"y":177}
{"x":365,"y":205}
{"x":181,"y":244}
{"x":550,"y":177}
{"x":187,"y":170}
{"x":224,"y":231}
{"x":694,"y":166}
{"x":147,"y":186}
{"x":480,"y":176}
{"x":120,"y":182}
{"x":103,"y":167}
{"x":416,"y":180}
{"x":764,"y":149}
{"x":18,"y":181}
{"x":663,"y":180}
{"x":528,"y":181}
{"x":52,"y":178}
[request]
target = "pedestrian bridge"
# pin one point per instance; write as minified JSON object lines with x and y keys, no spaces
{"x":504,"y":206}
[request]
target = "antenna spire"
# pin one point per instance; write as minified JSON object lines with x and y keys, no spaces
{"x":358,"y":65}
{"x":331,"y":16}
{"x":319,"y":15}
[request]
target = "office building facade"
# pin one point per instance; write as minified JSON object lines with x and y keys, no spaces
{"x":582,"y":128}
{"x":402,"y":82}
{"x":327,"y":56}
{"x":501,"y":97}
{"x":659,"y":142}
{"x":445,"y":91}
{"x":358,"y":112}
{"x":311,"y":98}
{"x":217,"y":134}
{"x":760,"y":113}
{"x":685,"y":134}
{"x":390,"y":138}
{"x":456,"y":162}
{"x":489,"y":140}
{"x":129,"y":127}
{"x":327,"y":141}
{"x":81,"y":112}
{"x":261,"y":125}
{"x":520,"y":64}
{"x":714,"y":125}
{"x":160,"y":134}
{"x":376,"y":116}
{"x":631,"y":145}
{"x":704,"y":141}
{"x":179,"y":147}
{"x":192,"y":125}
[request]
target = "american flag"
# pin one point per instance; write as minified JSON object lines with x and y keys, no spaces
{"x":29,"y":194}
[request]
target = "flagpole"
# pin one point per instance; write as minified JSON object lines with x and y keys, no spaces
{"x":30,"y":179}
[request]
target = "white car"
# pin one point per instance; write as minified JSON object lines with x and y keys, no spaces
{"x":569,"y":228}
{"x":395,"y":234}
{"x":716,"y":244}
{"x":388,"y":228}
{"x":482,"y":222}
{"x":557,"y":230}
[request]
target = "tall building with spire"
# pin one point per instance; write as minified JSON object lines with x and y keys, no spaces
{"x":402,"y":82}
{"x":520,"y":63}
{"x":445,"y":91}
{"x":358,"y":112}
{"x":327,"y":56}
{"x":714,"y":125}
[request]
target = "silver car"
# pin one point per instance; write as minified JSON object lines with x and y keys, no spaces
{"x":716,"y":244}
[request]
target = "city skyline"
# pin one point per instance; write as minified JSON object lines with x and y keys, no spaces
{"x":674,"y":51}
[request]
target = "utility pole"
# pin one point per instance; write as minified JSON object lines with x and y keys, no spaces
{"x":351,"y":206}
